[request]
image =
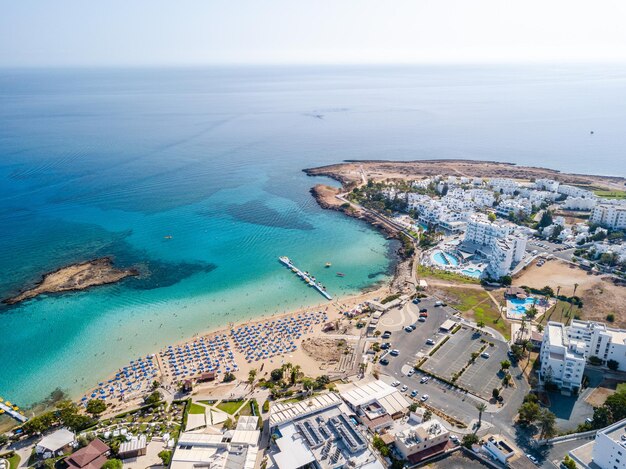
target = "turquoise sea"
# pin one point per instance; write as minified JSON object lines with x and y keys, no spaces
{"x":109,"y":162}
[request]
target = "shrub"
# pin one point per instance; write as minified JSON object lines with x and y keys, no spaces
{"x":610,"y":317}
{"x":612,"y":365}
{"x":112,"y":464}
{"x":166,"y":457}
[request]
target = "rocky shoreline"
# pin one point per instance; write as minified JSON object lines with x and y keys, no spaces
{"x":75,"y":277}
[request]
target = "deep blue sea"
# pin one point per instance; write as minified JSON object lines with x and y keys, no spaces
{"x":109,"y":162}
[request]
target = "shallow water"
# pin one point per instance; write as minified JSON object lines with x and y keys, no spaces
{"x":109,"y":162}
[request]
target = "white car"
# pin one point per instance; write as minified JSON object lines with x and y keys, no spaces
{"x":411,"y":372}
{"x":404,"y":388}
{"x":395,"y":383}
{"x":485,"y":355}
{"x":425,"y":379}
{"x":532,"y":458}
{"x":424,"y":398}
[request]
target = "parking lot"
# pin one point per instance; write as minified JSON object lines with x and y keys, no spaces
{"x":481,"y":376}
{"x":454,"y":354}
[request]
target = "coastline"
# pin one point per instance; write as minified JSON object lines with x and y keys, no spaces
{"x":78,"y":276}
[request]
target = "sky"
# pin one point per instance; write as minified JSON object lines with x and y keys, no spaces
{"x":57,"y":33}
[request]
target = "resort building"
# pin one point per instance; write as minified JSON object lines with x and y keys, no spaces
{"x":483,"y":232}
{"x":506,"y":253}
{"x":562,"y":359}
{"x":547,"y":185}
{"x":374,"y":403}
{"x":56,"y":443}
{"x":421,"y":440}
{"x":135,"y":447}
{"x":580,"y":203}
{"x":607,"y":451}
{"x":573,"y":191}
{"x":317,"y":432}
{"x":503,"y":185}
{"x":231,"y":449}
{"x":515,"y":207}
{"x":92,"y":456}
{"x":499,"y":449}
{"x":600,"y":341}
{"x":609,"y":215}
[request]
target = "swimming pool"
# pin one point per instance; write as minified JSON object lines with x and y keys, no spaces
{"x":445,"y":259}
{"x":517,"y":307}
{"x":472,"y":272}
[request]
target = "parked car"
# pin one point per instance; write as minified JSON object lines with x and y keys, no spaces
{"x":425,"y":379}
{"x":386,"y":335}
{"x":424,"y":398}
{"x":423,"y":315}
{"x":408,"y":329}
{"x":384,"y":361}
{"x":485,"y":355}
{"x":385,"y":345}
{"x":404,"y":388}
{"x":416,"y":301}
{"x":423,"y":310}
{"x":413,"y":326}
{"x":395,"y":352}
{"x":395,"y":383}
{"x":430,"y":342}
{"x":532,"y":458}
{"x":438,"y":303}
{"x":422,"y":319}
{"x":414,"y":393}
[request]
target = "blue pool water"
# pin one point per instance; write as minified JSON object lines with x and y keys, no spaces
{"x":472,"y":272}
{"x":520,"y":306}
{"x":445,"y":259}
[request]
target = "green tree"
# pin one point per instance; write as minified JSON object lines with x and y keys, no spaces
{"x":251,"y":377}
{"x":495,"y":393}
{"x":480,"y":324}
{"x":546,"y":219}
{"x":612,"y":364}
{"x":380,"y":445}
{"x":469,"y":439}
{"x":569,"y":463}
{"x":153,"y":398}
{"x":112,"y":464}
{"x":528,"y":413}
{"x":505,"y":364}
{"x":616,"y":403}
{"x":601,"y":417}
{"x":166,"y":457}
{"x":228,"y":377}
{"x":547,"y":423}
{"x":427,"y":415}
{"x":610,"y":317}
{"x":3,"y":439}
{"x":229,"y":424}
{"x":96,"y":407}
{"x":481,"y":408}
{"x":277,"y":374}
{"x":491,"y":216}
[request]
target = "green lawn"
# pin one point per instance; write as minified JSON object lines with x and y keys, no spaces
{"x":14,"y":461}
{"x":621,"y":387}
{"x":431,"y":272}
{"x":610,"y":194}
{"x":230,"y":407}
{"x":478,"y":306}
{"x":196,"y":408}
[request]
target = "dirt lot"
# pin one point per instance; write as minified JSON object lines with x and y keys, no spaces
{"x":604,"y":390}
{"x":600,"y":297}
{"x":328,"y":351}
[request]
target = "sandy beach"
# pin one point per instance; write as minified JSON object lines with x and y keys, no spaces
{"x":157,"y":366}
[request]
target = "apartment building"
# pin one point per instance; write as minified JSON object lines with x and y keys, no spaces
{"x":562,"y":359}
{"x":609,"y":215}
{"x":483,"y":232}
{"x":600,"y":341}
{"x":505,"y":254}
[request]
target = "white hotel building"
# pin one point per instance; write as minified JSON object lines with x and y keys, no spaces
{"x":562,"y":359}
{"x":600,"y":341}
{"x":609,"y":215}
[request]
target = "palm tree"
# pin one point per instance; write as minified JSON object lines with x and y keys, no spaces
{"x":295,"y":372}
{"x":251,"y":377}
{"x":481,"y":408}
{"x":547,"y":422}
